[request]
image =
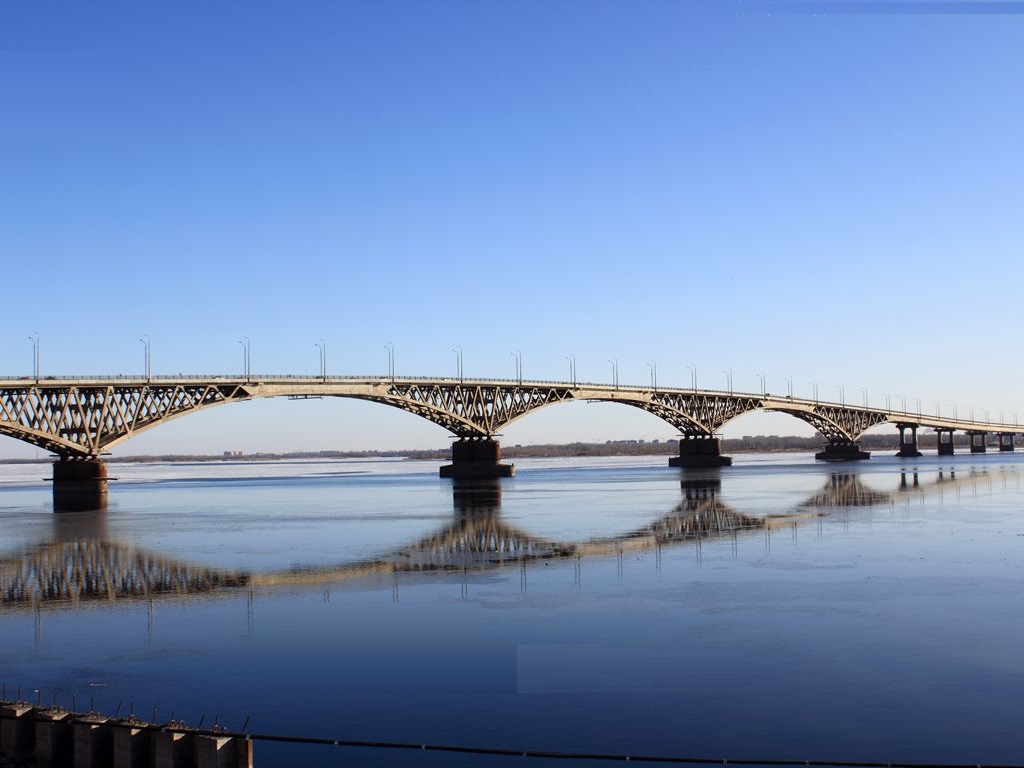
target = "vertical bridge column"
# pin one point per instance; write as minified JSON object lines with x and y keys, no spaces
{"x":1005,"y":441}
{"x":945,"y":440}
{"x":908,"y":447}
{"x":79,"y":485}
{"x":700,"y":451}
{"x":477,"y":457}
{"x":978,"y":441}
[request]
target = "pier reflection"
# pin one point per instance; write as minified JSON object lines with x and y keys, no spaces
{"x":477,"y":536}
{"x":83,"y":565}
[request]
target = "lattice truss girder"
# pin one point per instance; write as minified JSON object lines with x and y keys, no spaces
{"x":86,"y":420}
{"x":839,"y":424}
{"x":470,"y":410}
{"x":695,"y":413}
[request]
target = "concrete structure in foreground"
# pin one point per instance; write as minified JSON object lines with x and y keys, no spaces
{"x":80,"y":420}
{"x":56,"y":738}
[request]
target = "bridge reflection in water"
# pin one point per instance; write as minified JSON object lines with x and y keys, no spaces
{"x":82,"y":565}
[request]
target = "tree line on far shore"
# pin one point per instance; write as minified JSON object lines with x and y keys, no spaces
{"x":745,"y":444}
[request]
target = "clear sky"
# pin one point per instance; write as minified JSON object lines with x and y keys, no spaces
{"x":832,"y":193}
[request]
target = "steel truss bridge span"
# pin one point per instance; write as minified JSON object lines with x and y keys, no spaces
{"x":85,"y":418}
{"x":81,"y":419}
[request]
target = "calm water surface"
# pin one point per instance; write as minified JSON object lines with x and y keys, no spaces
{"x":776,"y":609}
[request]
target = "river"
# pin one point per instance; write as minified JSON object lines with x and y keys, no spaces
{"x":777,"y":609}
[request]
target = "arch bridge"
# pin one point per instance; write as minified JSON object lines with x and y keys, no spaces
{"x":81,"y":419}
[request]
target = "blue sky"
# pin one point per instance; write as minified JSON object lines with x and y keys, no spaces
{"x":831,"y":194}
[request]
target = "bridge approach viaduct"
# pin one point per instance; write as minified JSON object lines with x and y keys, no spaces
{"x":81,"y":419}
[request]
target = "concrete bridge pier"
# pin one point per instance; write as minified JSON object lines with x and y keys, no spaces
{"x":477,"y":458}
{"x":842,"y":451}
{"x":908,"y":445}
{"x":700,"y":451}
{"x":79,"y":485}
{"x":945,"y":440}
{"x":1005,"y":442}
{"x":978,"y":441}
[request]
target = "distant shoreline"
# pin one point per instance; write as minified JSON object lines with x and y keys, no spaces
{"x":748,"y":444}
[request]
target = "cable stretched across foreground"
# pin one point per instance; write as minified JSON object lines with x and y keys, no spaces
{"x":221,"y":732}
{"x":552,"y":755}
{"x":611,"y":757}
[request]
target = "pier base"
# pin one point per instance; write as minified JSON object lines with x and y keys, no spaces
{"x":169,"y":749}
{"x":1005,"y":442}
{"x":131,"y":747}
{"x":54,"y":739}
{"x":700,"y":451}
{"x":477,"y":458}
{"x":93,"y":743}
{"x":908,"y":445}
{"x":945,"y":438}
{"x":79,"y":485}
{"x":842,"y":452}
{"x":978,"y":442}
{"x":222,"y":752}
{"x":17,"y":730}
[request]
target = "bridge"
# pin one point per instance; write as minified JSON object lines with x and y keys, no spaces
{"x":81,"y":419}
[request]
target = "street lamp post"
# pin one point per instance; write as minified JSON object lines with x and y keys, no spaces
{"x":34,"y":338}
{"x":764,"y":389}
{"x":572,"y":368}
{"x":246,"y":359}
{"x":615,"y":371}
{"x":391,"y":360}
{"x":789,"y":386}
{"x":458,"y":361}
{"x":864,"y":392}
{"x":728,"y":378}
{"x":654,"y":375}
{"x":814,"y":387}
{"x":518,"y":355}
{"x":693,"y":376}
{"x":842,"y":395}
{"x":322,"y":346}
{"x":145,"y":340}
